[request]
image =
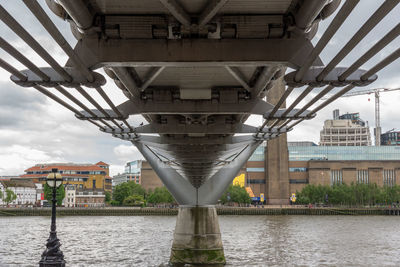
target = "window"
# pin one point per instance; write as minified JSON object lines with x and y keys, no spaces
{"x":298,"y":169}
{"x":94,"y":183}
{"x":389,"y":178}
{"x":255,"y":169}
{"x":336,"y":177}
{"x":298,"y":181}
{"x":362,"y":177}
{"x":255,"y":181}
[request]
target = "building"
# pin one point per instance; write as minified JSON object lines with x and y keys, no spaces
{"x":8,"y":177}
{"x":329,"y":165}
{"x":347,"y":130}
{"x":70,"y":193}
{"x":25,"y":190}
{"x":390,"y":138}
{"x":311,"y":164}
{"x":132,"y":173}
{"x":83,"y":176}
{"x":141,"y":173}
{"x":39,"y":194}
{"x":149,"y":179}
{"x":301,"y":143}
{"x":90,"y":198}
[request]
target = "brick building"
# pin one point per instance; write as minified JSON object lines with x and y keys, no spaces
{"x":310,"y":164}
{"x":83,"y":176}
{"x":89,"y":198}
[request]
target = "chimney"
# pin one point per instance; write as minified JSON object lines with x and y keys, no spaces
{"x":336,"y":114}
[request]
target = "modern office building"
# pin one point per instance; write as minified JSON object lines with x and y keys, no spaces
{"x":141,"y":173}
{"x":83,"y":176}
{"x":132,"y":173}
{"x":345,"y":130}
{"x":390,"y":138}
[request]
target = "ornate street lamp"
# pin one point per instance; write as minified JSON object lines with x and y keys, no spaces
{"x":53,"y":256}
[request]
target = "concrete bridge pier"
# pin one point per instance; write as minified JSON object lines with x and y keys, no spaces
{"x":197,"y":237}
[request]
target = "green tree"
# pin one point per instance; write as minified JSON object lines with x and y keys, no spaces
{"x":1,"y":194}
{"x":10,"y":196}
{"x":160,"y":195}
{"x":108,"y":197}
{"x":134,"y":200}
{"x":48,"y":194}
{"x":127,"y":189}
{"x":235,"y":193}
{"x":355,"y":194}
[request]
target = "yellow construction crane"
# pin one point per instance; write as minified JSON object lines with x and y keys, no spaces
{"x":376,"y":92}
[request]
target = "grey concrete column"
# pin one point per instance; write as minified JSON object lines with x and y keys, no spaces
{"x":277,"y":158}
{"x":197,"y":238}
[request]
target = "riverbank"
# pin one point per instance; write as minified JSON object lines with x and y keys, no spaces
{"x":267,"y":210}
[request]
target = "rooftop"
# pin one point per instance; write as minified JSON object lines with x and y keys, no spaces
{"x":64,"y":166}
{"x":102,"y":163}
{"x":18,"y":183}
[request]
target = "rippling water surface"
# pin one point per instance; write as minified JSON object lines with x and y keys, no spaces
{"x":248,"y":240}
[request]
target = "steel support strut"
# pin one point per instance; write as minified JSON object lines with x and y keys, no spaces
{"x":197,"y":237}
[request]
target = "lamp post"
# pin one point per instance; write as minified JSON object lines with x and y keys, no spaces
{"x":53,"y":256}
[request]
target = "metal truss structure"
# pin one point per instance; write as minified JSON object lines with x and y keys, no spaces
{"x":196,"y":70}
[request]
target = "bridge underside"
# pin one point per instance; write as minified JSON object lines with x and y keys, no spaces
{"x":195,"y":70}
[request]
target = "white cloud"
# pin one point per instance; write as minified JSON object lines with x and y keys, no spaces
{"x":116,"y":169}
{"x":15,"y":158}
{"x":127,"y":152}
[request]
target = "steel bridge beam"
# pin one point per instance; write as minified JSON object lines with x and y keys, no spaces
{"x":98,"y":53}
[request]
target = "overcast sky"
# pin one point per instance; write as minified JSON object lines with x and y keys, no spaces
{"x":35,"y":129}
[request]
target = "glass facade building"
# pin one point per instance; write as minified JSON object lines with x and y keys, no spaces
{"x":133,"y":167}
{"x":306,"y":153}
{"x":390,"y":139}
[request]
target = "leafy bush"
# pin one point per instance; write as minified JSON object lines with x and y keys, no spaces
{"x":237,"y":194}
{"x":160,"y":195}
{"x":124,"y":190}
{"x":350,"y":195}
{"x":135,"y":200}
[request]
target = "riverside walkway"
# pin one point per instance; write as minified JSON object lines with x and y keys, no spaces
{"x":266,"y":210}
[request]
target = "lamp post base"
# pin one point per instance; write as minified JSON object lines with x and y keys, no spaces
{"x":52,"y":256}
{"x":50,"y":262}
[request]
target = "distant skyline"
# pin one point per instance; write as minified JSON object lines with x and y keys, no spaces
{"x":34,"y":129}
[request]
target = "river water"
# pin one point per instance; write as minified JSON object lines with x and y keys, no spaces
{"x":248,"y":240}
